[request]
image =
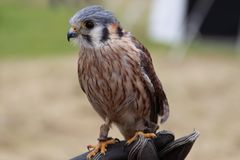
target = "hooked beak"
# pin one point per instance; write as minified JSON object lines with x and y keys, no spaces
{"x":71,"y":34}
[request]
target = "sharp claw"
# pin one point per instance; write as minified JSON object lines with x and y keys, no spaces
{"x":117,"y":140}
{"x":89,"y":147}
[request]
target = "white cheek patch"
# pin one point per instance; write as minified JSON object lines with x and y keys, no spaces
{"x":96,"y":36}
{"x":81,"y":42}
{"x":75,"y":41}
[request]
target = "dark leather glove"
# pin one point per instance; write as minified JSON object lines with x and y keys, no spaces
{"x":164,"y":147}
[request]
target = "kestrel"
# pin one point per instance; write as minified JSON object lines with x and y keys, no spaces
{"x":116,"y":73}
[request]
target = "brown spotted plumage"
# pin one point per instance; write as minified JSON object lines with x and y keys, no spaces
{"x":116,"y":73}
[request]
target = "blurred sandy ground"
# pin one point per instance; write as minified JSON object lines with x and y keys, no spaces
{"x":45,"y":116}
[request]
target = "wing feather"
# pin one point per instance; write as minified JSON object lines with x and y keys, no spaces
{"x":160,"y":104}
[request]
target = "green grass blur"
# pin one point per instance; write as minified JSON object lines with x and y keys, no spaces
{"x":31,"y":29}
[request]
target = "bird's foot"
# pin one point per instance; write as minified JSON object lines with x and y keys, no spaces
{"x":100,"y":147}
{"x":141,"y":133}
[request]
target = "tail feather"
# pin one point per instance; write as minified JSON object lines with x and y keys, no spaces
{"x":165,"y":114}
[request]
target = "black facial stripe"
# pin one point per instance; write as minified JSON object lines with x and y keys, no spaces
{"x":88,"y":38}
{"x":119,"y":32}
{"x":105,"y":34}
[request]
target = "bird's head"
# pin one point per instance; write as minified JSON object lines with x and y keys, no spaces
{"x":93,"y":26}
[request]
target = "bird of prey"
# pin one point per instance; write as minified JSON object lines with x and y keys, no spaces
{"x":116,"y":73}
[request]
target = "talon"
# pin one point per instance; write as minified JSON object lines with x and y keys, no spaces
{"x":117,"y":140}
{"x":89,"y":147}
{"x":139,"y":133}
{"x":101,"y":147}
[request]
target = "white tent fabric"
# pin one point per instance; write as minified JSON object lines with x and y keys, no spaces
{"x":167,"y":21}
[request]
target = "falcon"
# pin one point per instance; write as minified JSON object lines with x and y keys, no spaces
{"x":116,"y":73}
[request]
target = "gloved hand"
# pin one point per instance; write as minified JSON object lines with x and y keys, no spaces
{"x":164,"y":147}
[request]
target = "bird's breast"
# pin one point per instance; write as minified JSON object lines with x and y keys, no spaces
{"x":104,"y":83}
{"x":111,"y":82}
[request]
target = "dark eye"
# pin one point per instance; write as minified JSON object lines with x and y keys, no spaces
{"x":89,"y":24}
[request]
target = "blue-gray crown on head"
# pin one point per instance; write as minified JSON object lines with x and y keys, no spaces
{"x":87,"y":18}
{"x":95,"y":13}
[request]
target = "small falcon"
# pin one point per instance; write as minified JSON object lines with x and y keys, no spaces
{"x":116,"y":73}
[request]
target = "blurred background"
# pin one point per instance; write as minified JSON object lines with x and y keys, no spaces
{"x":195,"y":45}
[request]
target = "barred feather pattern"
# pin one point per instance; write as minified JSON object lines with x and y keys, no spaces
{"x":114,"y":80}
